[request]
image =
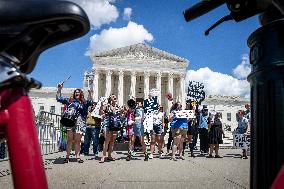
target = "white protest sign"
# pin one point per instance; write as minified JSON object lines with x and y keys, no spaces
{"x":96,"y":111}
{"x":185,"y":114}
{"x":241,"y":141}
{"x":148,"y":123}
{"x":154,"y":92}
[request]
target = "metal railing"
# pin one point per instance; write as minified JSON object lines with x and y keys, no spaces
{"x":50,"y":132}
{"x":50,"y":135}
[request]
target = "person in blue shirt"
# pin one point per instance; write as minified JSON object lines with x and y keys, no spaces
{"x":203,"y":130}
{"x":242,"y":128}
{"x":179,"y":130}
{"x":79,"y":105}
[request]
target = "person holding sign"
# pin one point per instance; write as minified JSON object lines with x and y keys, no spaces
{"x":242,"y":128}
{"x":179,"y":130}
{"x":92,"y":132}
{"x":215,"y":135}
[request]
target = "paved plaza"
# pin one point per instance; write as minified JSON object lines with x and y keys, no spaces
{"x":200,"y":172}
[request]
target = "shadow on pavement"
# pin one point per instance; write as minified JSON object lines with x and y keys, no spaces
{"x":60,"y":160}
{"x":233,"y":155}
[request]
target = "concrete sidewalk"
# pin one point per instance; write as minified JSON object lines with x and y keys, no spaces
{"x":200,"y":172}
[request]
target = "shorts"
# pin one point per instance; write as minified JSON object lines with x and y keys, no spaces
{"x":112,"y":129}
{"x":80,"y":126}
{"x":157,"y":130}
{"x":138,"y":130}
{"x":179,"y":132}
{"x":129,"y":130}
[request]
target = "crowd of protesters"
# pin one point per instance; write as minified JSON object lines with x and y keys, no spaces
{"x":126,"y":123}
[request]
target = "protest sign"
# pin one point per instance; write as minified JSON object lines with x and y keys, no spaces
{"x":241,"y":141}
{"x":151,"y":105}
{"x":96,"y":111}
{"x":150,"y":108}
{"x":185,"y":114}
{"x":195,"y":92}
{"x":148,"y":123}
{"x":154,"y":92}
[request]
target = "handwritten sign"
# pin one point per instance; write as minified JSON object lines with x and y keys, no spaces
{"x":154,"y":92}
{"x":185,"y":114}
{"x":151,"y":105}
{"x":96,"y":111}
{"x":241,"y":141}
{"x":148,"y":123}
{"x":195,"y":92}
{"x":150,"y":108}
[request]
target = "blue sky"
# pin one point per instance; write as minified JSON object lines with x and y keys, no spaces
{"x":162,"y":20}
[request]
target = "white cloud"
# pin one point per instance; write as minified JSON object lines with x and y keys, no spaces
{"x":119,"y":37}
{"x":243,"y":69}
{"x":127,"y":13}
{"x":216,"y":83}
{"x":99,"y":11}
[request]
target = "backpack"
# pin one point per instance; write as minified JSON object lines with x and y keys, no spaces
{"x":69,"y":118}
{"x":113,"y":119}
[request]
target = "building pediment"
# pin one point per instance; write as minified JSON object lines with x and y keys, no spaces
{"x":139,"y":52}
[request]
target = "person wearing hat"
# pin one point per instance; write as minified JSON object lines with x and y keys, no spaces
{"x":203,"y":130}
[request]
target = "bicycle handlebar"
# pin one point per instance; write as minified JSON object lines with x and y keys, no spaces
{"x":201,"y":8}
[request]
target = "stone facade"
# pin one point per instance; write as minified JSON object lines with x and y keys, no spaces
{"x":133,"y":71}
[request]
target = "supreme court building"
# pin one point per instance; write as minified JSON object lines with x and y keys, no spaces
{"x":135,"y":70}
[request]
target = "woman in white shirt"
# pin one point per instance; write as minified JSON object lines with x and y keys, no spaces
{"x":158,"y":125}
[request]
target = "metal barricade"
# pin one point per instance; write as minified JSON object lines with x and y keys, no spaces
{"x":50,"y":132}
{"x":3,"y":151}
{"x":51,"y":136}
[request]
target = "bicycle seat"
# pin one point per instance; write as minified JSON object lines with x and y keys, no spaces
{"x":29,"y":27}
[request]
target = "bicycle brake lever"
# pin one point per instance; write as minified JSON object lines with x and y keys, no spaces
{"x":220,"y":21}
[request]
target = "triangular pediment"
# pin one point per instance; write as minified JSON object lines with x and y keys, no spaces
{"x":139,"y":51}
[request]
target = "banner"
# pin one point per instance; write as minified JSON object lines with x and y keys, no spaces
{"x":241,"y":141}
{"x":185,"y":114}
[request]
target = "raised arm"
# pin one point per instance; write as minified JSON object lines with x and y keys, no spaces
{"x":58,"y":93}
{"x":90,"y":95}
{"x":102,"y":110}
{"x":171,"y":117}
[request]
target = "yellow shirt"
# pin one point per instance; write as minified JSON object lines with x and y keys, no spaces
{"x":93,"y":121}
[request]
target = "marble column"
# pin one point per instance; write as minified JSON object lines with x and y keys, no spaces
{"x":108,"y":83}
{"x":96,"y":85}
{"x":120,"y":87}
{"x":158,"y":86}
{"x":182,"y":89}
{"x":89,"y":83}
{"x":85,"y":80}
{"x":146,"y":84}
{"x":170,"y":89}
{"x":133,"y":83}
{"x":177,"y":90}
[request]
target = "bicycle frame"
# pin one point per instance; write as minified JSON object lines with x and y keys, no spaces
{"x":17,"y":122}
